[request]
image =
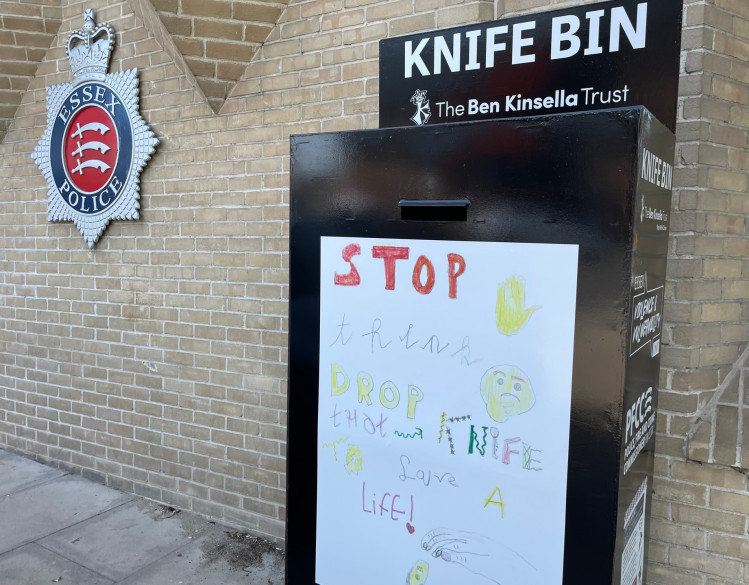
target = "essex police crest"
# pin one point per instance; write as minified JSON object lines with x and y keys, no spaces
{"x":96,"y":143}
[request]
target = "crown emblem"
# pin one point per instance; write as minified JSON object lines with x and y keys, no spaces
{"x":89,"y":49}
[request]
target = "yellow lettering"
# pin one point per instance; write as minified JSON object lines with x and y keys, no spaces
{"x":396,"y":396}
{"x":365,"y":384}
{"x":414,"y":395}
{"x":338,"y":374}
{"x":500,"y":502}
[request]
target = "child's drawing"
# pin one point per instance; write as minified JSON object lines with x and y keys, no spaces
{"x":507,"y":392}
{"x":418,"y":575}
{"x":511,"y":311}
{"x":478,"y":554}
{"x":353,"y":460}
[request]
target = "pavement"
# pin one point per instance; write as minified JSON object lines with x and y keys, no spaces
{"x":56,"y":527}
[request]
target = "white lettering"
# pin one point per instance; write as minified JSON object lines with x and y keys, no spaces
{"x":656,"y":171}
{"x":558,"y":36}
{"x":565,"y":39}
{"x":473,"y":49}
{"x":620,"y":22}
{"x":115,"y":185}
{"x":442,"y":51}
{"x":111,"y":105}
{"x":518,"y":42}
{"x":414,"y":58}
{"x":492,"y":46}
{"x":594,"y":32}
{"x":64,"y":114}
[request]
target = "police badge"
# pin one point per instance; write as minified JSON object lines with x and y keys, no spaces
{"x":96,"y":143}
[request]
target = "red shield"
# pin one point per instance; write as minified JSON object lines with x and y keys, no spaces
{"x":90,"y":148}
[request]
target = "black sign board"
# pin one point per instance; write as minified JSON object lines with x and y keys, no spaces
{"x":475,"y":318}
{"x":597,"y":56}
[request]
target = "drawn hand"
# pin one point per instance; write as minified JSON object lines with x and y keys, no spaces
{"x":511,"y":311}
{"x":478,"y":554}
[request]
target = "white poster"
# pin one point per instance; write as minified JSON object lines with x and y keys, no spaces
{"x":633,"y":556}
{"x":444,"y":411}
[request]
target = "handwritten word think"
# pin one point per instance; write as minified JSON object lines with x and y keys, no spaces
{"x":381,"y":338}
{"x":389,"y":394}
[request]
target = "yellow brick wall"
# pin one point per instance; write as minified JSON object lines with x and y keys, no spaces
{"x":156,"y":361}
{"x":26,"y":30}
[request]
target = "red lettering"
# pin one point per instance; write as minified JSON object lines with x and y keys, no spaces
{"x":455,"y":261}
{"x":394,"y":510}
{"x":390,"y":254}
{"x":352,"y":278}
{"x":383,"y":508}
{"x":424,"y":289}
{"x":388,"y":506}
{"x":363,"y":505}
{"x":507,"y":450}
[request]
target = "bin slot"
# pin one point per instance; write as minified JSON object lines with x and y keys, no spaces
{"x":434,"y":210}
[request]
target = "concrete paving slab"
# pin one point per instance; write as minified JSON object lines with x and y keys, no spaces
{"x":68,"y":530}
{"x":127,"y":539}
{"x":220,"y":557}
{"x":32,"y":564}
{"x":18,"y":473}
{"x":45,"y":509}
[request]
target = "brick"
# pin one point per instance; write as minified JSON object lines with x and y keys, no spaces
{"x":25,"y":24}
{"x":460,"y":15}
{"x":708,"y":519}
{"x":695,"y":560}
{"x":675,"y":534}
{"x":309,"y":61}
{"x":726,"y":180}
{"x":715,"y":312}
{"x":321,"y":41}
{"x":256,"y":12}
{"x":223,"y":30}
{"x":729,"y":546}
{"x":731,"y":502}
{"x":345,"y":55}
{"x":300,"y":28}
{"x":256,"y":33}
{"x":720,"y":355}
{"x":343,"y":19}
{"x":373,"y":32}
{"x":699,"y":380}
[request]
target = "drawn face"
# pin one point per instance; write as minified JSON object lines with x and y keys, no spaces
{"x":506,"y":391}
{"x":418,"y":574}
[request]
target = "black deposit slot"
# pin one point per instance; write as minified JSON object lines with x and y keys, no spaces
{"x":431,"y":210}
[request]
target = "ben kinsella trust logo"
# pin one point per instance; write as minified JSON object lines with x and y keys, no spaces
{"x":423,"y":112}
{"x":96,"y":143}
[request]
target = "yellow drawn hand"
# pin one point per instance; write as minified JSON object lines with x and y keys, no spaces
{"x":511,"y":311}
